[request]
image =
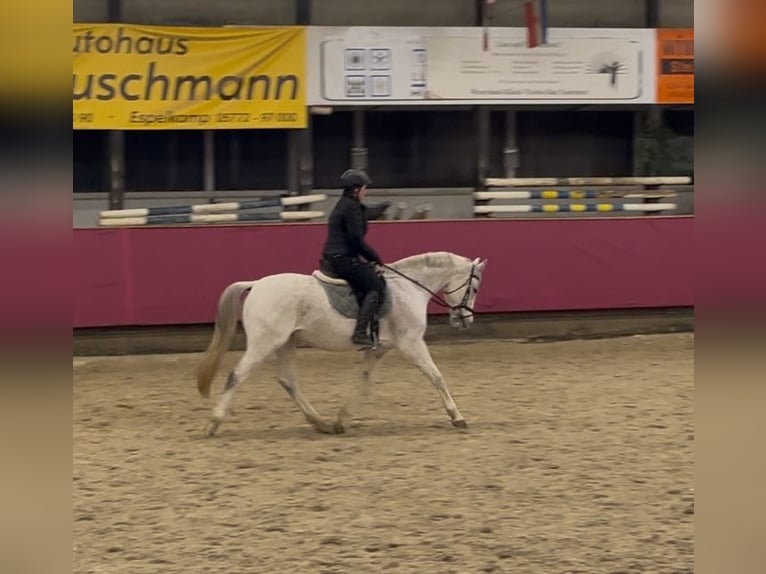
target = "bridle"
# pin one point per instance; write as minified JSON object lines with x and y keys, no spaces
{"x":439,"y":300}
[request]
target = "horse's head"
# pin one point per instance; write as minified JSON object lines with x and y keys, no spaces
{"x":461,"y":292}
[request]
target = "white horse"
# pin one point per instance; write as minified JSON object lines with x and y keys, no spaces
{"x":283,"y":310}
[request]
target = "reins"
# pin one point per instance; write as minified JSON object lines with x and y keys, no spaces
{"x":438,"y":299}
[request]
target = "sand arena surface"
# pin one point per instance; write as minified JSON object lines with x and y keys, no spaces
{"x":578,"y":458}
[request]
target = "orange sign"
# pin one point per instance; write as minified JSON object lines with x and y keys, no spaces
{"x":675,"y":66}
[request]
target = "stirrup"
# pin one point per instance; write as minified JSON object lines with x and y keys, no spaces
{"x":370,"y":341}
{"x":371,"y":347}
{"x":367,"y":346}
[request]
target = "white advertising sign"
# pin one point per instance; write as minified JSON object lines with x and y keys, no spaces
{"x":448,"y":66}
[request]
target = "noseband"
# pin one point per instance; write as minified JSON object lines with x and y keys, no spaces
{"x":463,"y":305}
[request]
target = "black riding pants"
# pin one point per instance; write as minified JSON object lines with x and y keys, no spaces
{"x":360,"y":275}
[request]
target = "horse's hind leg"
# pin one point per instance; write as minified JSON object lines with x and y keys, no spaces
{"x":287,"y":379}
{"x":253,"y":356}
{"x":369,"y":363}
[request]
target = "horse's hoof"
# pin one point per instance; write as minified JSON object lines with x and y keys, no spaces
{"x":212,"y":428}
{"x":461,"y":424}
{"x":326,"y":428}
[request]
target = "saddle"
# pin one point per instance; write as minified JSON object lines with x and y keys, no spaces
{"x":342,"y":297}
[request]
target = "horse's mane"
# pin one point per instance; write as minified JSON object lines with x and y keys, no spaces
{"x":430,"y":259}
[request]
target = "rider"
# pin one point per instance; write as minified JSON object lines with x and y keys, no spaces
{"x":347,"y":226}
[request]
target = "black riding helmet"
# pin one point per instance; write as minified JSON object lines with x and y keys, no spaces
{"x":353,"y":178}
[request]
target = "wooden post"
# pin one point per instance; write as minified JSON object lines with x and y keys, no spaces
{"x":510,"y":149}
{"x":652,"y":10}
{"x":300,"y":161}
{"x":208,"y":173}
{"x":116,"y":169}
{"x":358,"y":149}
{"x":482,"y":114}
{"x":303,"y":12}
{"x":306,"y":159}
{"x":292,"y":161}
{"x":304,"y":139}
{"x":116,"y":138}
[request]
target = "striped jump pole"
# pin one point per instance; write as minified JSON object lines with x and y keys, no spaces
{"x":576,"y":194}
{"x":211,"y":218}
{"x":577,"y":181}
{"x":206,"y":208}
{"x":230,"y":212}
{"x":650,"y":193}
{"x":573,"y":208}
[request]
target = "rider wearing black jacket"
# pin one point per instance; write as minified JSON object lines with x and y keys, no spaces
{"x":347,"y":226}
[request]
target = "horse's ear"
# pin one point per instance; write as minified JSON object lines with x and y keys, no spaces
{"x":482,"y":263}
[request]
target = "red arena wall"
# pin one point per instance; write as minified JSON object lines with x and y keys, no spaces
{"x":174,"y":276}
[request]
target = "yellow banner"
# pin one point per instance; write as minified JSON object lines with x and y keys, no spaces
{"x":156,"y":77}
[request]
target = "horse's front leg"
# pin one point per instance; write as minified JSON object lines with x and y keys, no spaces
{"x":417,"y":353}
{"x":369,"y":363}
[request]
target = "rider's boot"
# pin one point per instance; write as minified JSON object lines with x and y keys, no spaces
{"x":361,"y":334}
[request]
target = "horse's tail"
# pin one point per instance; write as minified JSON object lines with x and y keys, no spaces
{"x":225,"y":329}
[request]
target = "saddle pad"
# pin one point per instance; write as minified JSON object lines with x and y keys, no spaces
{"x":329,"y":279}
{"x":343,"y":300}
